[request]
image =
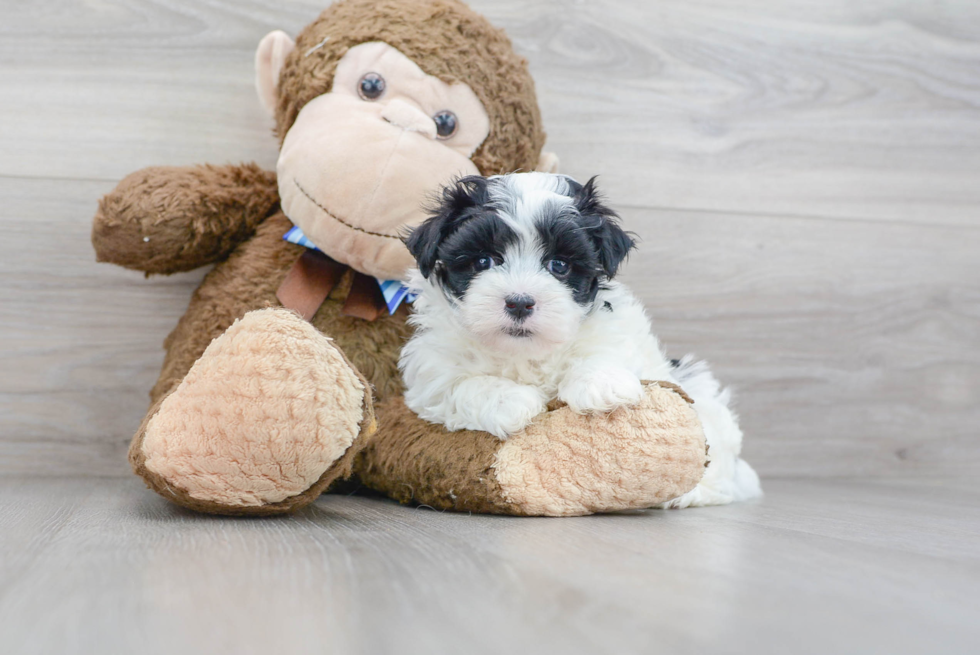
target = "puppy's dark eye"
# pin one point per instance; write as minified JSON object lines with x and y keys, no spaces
{"x":446,"y":124}
{"x":483,"y":263}
{"x":371,"y":86}
{"x":558,"y":267}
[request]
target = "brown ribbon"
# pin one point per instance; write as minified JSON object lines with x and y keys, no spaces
{"x":365,"y":299}
{"x":314,"y":276}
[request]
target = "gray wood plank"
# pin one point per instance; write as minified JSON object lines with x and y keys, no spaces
{"x":81,"y":342}
{"x":104,"y":566}
{"x":868,"y":110}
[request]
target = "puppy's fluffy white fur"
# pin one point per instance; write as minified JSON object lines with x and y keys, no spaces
{"x":465,"y":368}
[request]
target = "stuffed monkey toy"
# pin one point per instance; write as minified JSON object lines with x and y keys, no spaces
{"x":281,"y":378}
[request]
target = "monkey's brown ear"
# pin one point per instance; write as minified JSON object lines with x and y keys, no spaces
{"x":269,"y":59}
{"x":547,"y":162}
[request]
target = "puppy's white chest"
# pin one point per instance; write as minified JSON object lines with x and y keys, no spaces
{"x":544,"y":375}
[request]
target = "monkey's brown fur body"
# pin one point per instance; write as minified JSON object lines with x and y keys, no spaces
{"x":258,"y":412}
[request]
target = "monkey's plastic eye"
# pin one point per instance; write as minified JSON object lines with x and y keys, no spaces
{"x":558,"y":267}
{"x":483,"y":263}
{"x":446,"y":124}
{"x":371,"y":86}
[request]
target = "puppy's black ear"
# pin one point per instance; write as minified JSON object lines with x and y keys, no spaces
{"x":612,"y":243}
{"x":458,"y":201}
{"x":573,"y":186}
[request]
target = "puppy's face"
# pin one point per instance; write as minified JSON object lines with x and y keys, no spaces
{"x":520,"y":257}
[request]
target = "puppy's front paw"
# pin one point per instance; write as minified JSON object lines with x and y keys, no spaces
{"x":506,"y":408}
{"x":600,"y":390}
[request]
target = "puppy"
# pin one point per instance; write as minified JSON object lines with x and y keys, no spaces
{"x":517,"y":305}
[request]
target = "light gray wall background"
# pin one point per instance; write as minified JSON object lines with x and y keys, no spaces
{"x":805,"y":177}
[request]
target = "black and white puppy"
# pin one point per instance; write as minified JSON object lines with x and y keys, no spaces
{"x":517,"y":306}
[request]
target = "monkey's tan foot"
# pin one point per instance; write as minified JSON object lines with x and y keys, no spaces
{"x":269,"y":415}
{"x":563,"y":464}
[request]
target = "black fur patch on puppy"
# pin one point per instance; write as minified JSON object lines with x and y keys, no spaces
{"x":612,"y":243}
{"x":589,"y":239}
{"x":484,"y":235}
{"x":461,"y":200}
{"x":564,"y":239}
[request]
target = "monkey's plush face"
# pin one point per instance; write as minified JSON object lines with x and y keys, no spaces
{"x":357,"y":166}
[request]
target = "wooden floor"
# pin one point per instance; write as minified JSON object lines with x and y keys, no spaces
{"x":101,"y":566}
{"x":805,"y":178}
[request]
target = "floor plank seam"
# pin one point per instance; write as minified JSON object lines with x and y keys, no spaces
{"x":801,"y":217}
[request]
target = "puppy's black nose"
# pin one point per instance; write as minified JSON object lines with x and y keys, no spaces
{"x":520,"y":307}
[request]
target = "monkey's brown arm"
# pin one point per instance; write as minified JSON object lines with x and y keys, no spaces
{"x":563,"y":464}
{"x":168,"y":219}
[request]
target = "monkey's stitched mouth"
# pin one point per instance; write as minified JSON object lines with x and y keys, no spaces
{"x":342,"y":222}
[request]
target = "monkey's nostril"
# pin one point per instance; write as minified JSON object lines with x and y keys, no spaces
{"x":409,"y":118}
